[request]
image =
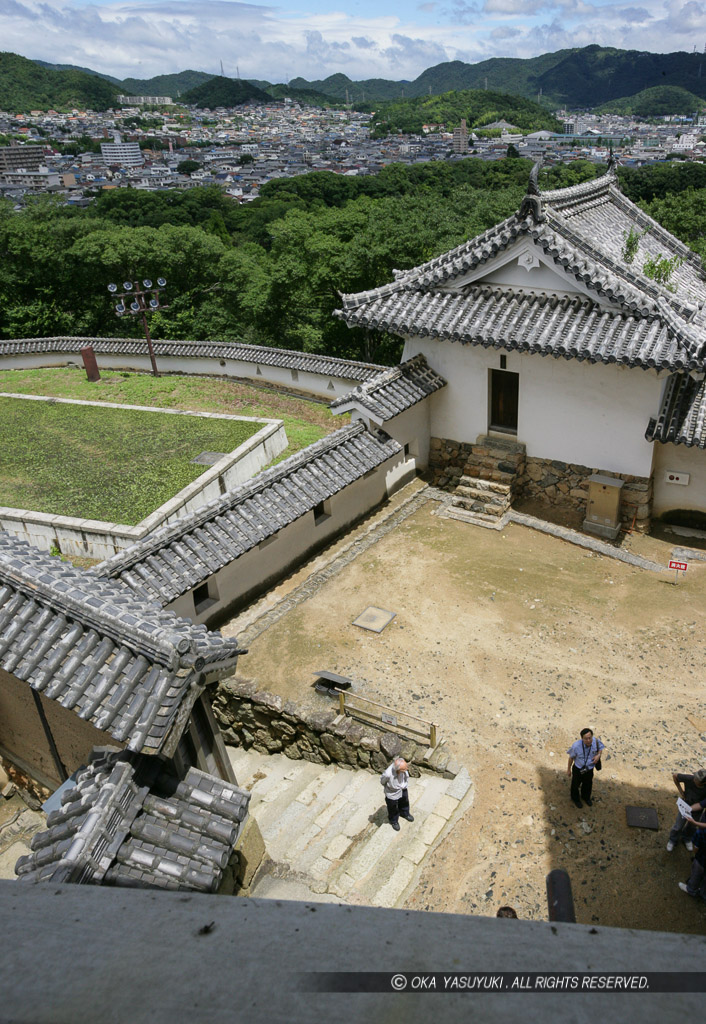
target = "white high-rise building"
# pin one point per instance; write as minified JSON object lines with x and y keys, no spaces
{"x":125,"y":154}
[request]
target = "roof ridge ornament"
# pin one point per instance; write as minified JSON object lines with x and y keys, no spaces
{"x":531,"y":205}
{"x":612,"y":162}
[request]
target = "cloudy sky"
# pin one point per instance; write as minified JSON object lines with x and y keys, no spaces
{"x":317,"y":38}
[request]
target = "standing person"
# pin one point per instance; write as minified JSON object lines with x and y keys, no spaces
{"x":695,"y":885}
{"x":395,"y":780}
{"x":584,"y":757}
{"x":691,"y":788}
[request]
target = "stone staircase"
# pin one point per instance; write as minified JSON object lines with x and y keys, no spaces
{"x":489,"y":480}
{"x":326,"y":830}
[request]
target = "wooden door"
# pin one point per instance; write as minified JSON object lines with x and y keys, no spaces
{"x":504,"y":393}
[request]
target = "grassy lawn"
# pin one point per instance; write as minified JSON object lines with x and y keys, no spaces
{"x":305,"y":422}
{"x":112,"y":464}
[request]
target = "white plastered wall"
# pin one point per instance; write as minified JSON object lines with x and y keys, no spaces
{"x":277,"y":555}
{"x":591,"y":415}
{"x":678,"y":459}
{"x":320,"y":384}
{"x":410,"y":428}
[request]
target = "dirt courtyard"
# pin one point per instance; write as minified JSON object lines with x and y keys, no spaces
{"x":512,"y":642}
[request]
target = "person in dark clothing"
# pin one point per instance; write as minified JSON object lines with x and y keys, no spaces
{"x":691,"y":788}
{"x":696,"y":884}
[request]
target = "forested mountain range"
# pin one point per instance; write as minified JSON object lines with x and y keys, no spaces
{"x":575,"y":78}
{"x":586,"y":77}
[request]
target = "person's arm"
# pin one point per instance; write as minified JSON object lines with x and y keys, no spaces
{"x":568,"y":767}
{"x":679,"y":784}
{"x":601,"y":748}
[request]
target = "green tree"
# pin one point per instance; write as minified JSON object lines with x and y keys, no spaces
{"x":188,"y":166}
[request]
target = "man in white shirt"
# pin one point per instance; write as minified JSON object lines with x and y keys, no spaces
{"x":395,"y":781}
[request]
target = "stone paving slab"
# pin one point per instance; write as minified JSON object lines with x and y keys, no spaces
{"x":459,"y":786}
{"x":326,"y":828}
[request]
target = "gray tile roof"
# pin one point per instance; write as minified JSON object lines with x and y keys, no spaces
{"x":582,"y":230}
{"x":116,"y":827}
{"x":122,"y":663}
{"x":393,"y":391}
{"x":180,"y":556}
{"x":513,"y":320}
{"x":682,"y":415}
{"x":261,"y":355}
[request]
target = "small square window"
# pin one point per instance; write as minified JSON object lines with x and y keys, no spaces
{"x":205,"y":595}
{"x":322,"y":511}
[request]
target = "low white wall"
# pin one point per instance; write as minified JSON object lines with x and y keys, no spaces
{"x":677,"y":458}
{"x":588,"y":414}
{"x":96,"y":539}
{"x":253,"y":571}
{"x":321,"y":385}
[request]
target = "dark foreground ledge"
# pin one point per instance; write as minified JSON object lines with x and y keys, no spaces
{"x":79,"y":953}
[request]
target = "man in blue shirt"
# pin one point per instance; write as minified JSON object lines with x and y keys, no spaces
{"x":584,"y":755}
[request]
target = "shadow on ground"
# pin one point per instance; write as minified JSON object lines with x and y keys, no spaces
{"x":620,"y":876}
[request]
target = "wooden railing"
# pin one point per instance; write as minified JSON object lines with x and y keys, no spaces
{"x":348,"y":704}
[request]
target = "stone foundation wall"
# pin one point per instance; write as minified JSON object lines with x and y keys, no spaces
{"x":490,"y":458}
{"x":566,"y":484}
{"x":545,"y":480}
{"x":255,"y":718}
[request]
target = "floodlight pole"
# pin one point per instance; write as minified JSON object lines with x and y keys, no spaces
{"x":137,"y":306}
{"x":148,"y":339}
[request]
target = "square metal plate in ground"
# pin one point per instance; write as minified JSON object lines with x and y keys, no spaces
{"x":209,"y":458}
{"x":374,"y":619}
{"x":642,"y":817}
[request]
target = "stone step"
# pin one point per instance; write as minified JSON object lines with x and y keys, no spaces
{"x":478,"y":494}
{"x":480,"y":507}
{"x":482,"y":472}
{"x":327,"y":830}
{"x":479,"y":484}
{"x":474,"y":518}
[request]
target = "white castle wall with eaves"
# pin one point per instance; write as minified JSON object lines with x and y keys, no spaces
{"x":320,"y":384}
{"x":591,"y":415}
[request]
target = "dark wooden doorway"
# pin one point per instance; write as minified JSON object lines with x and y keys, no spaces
{"x":504,"y":392}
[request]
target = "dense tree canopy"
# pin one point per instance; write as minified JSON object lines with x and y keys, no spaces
{"x":271,"y":272}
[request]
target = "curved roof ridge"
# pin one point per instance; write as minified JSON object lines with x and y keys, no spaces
{"x":584,"y":190}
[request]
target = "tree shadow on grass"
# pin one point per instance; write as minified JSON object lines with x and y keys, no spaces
{"x":620,"y":876}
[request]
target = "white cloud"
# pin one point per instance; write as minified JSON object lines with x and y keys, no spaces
{"x":160,"y":36}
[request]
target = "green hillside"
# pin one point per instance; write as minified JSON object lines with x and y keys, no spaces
{"x":24,"y":86}
{"x":372,"y":90}
{"x":655,"y":102}
{"x":478,"y":106}
{"x":77,"y":67}
{"x":307,"y":96}
{"x":165,"y":85}
{"x":224,"y":92}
